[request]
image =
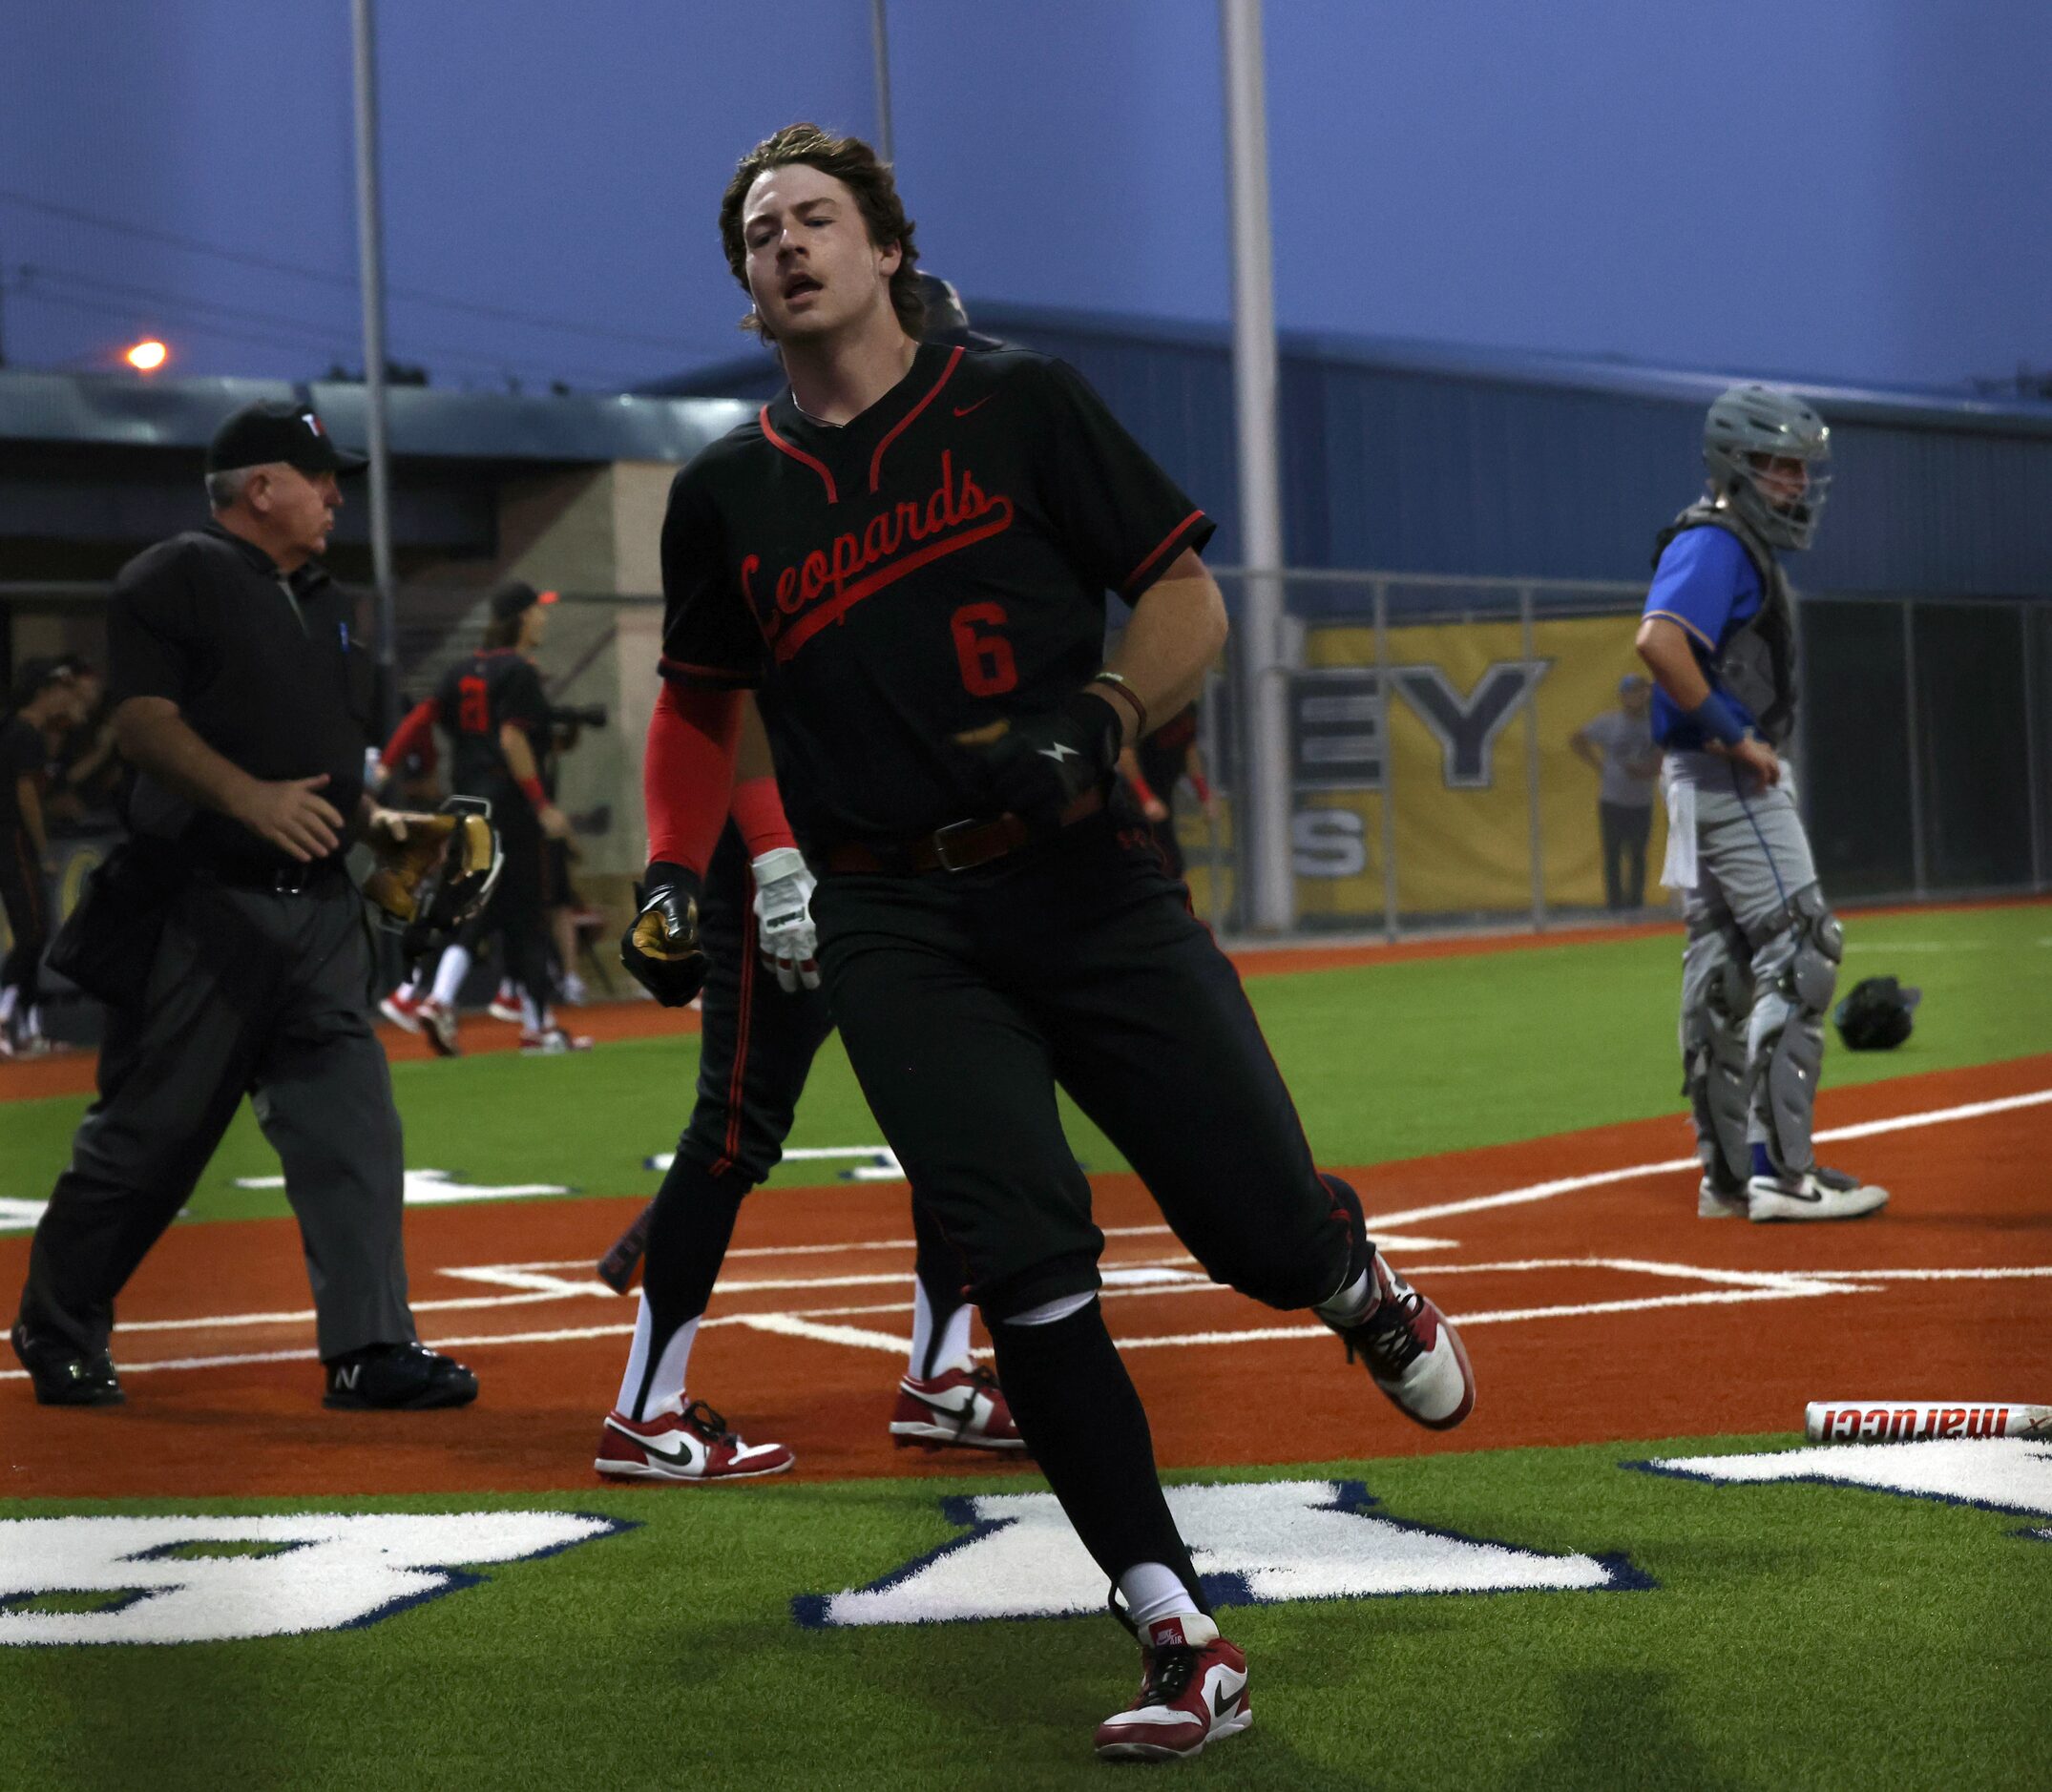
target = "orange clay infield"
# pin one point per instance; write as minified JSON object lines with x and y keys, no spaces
{"x":1605,"y":1311}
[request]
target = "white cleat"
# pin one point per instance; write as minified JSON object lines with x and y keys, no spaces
{"x":1812,"y":1194}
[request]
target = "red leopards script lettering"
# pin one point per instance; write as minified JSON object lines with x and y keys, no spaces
{"x":826,"y":583}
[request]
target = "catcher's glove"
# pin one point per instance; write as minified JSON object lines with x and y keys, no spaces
{"x":433,"y":872}
{"x":1036,"y":765}
{"x":660,"y":947}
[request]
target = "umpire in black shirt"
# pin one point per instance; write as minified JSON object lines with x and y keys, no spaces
{"x":229,"y":663}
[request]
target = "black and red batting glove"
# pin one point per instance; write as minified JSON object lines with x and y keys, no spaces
{"x":1037,"y":765}
{"x":661,"y":947}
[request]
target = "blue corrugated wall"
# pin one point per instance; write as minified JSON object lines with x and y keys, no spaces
{"x":1536,"y":470}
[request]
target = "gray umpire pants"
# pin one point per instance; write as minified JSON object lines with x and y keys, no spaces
{"x":251,"y":992}
{"x":1750,"y":858}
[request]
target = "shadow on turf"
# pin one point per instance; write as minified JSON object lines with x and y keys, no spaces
{"x":1621,"y":1729}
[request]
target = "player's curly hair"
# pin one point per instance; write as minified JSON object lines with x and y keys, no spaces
{"x":857,"y":167}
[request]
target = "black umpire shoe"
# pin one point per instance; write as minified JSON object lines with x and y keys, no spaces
{"x":63,"y":1377}
{"x":398,"y":1378}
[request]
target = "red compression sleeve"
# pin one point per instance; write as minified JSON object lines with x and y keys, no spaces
{"x":415,"y":734}
{"x":758,"y":811}
{"x":688,"y":771}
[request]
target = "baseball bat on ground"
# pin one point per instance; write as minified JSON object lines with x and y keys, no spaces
{"x":1917,"y":1421}
{"x":617,"y":1267}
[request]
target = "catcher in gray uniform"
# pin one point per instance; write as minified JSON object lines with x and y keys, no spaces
{"x":1764,"y":947}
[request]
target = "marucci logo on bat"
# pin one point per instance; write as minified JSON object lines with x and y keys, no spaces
{"x":1919,"y":1421}
{"x":823,"y":586}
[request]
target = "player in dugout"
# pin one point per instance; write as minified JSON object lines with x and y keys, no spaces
{"x":907,"y":553}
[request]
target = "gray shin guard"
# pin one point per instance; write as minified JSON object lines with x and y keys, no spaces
{"x":1795,"y":971}
{"x":1717,"y":999}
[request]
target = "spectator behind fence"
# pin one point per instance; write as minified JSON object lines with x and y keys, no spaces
{"x":1618,"y":745}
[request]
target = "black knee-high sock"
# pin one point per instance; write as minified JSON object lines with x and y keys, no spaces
{"x":688,"y":1238}
{"x":941,"y":1275}
{"x":1080,"y":1416}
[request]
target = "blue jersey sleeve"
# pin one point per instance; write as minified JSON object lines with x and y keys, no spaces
{"x":1705,"y":582}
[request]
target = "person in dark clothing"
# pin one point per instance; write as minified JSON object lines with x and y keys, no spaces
{"x":230,"y":665}
{"x":48,"y":703}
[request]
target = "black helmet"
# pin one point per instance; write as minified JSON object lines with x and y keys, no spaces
{"x":1877,"y":1016}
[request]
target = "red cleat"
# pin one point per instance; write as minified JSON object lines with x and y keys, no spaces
{"x":693,"y":1445}
{"x":958,"y":1409}
{"x":1192,"y":1691}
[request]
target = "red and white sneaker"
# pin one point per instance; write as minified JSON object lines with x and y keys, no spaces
{"x":505,"y":1005}
{"x":1414,"y":1355}
{"x":1192,"y":1691}
{"x":693,"y":1445}
{"x":402,"y":1009}
{"x":960,"y":1409}
{"x":552,"y":1042}
{"x":438,"y":1022}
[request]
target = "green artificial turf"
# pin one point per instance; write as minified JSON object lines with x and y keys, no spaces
{"x":1385,"y":1061}
{"x":1794,"y":1635}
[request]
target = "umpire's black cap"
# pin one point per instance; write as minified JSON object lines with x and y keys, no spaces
{"x":275,"y":429}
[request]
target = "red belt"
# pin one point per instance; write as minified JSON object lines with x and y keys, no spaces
{"x":960,"y":846}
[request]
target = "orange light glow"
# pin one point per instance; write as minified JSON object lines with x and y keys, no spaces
{"x":147,"y":356}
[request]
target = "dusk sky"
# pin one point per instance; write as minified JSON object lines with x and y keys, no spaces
{"x":1855,"y":190}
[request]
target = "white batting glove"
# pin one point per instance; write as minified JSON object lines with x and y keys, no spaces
{"x":784,"y":917}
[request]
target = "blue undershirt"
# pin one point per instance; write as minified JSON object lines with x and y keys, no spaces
{"x":1705,"y":582}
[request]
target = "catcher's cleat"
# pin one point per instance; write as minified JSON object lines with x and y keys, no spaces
{"x":1192,"y":1692}
{"x":63,"y":1376}
{"x":402,"y":1009}
{"x":1411,"y":1351}
{"x":397,"y":1378}
{"x":1812,"y":1194}
{"x":438,"y":1024}
{"x":693,"y":1445}
{"x":1719,"y":1200}
{"x":552,"y":1042}
{"x":505,"y":1005}
{"x":956,"y":1409}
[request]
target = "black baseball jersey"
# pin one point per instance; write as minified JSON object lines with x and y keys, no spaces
{"x":23,"y":753}
{"x":476,"y":697}
{"x":935,"y":564}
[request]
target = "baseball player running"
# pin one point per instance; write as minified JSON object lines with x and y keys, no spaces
{"x":908,"y":552}
{"x":759,"y":1038}
{"x":1763,"y":947}
{"x":497,"y":720}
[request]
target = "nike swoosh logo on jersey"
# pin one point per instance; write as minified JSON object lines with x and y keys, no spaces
{"x":963,"y":410}
{"x":1059,"y":752}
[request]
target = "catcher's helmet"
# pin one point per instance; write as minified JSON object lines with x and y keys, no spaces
{"x":1877,"y":1016}
{"x":1763,"y":420}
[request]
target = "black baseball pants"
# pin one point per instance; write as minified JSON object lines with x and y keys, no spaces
{"x":518,"y":911}
{"x":757,"y":1043}
{"x":965,"y":998}
{"x":26,"y":905}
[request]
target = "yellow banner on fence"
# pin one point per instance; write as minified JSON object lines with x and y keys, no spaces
{"x":1463,"y":703}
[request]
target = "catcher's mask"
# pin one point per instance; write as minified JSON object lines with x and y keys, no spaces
{"x":460,"y":883}
{"x":1877,"y":1016}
